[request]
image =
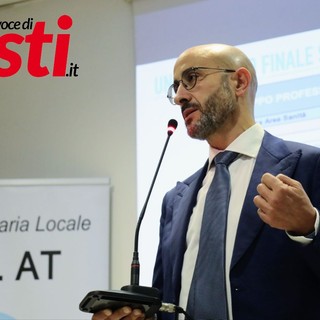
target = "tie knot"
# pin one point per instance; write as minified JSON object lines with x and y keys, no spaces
{"x":225,"y":157}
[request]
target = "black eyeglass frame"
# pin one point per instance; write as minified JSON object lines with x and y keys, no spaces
{"x":194,"y":69}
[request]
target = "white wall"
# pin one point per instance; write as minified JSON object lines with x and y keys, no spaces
{"x":82,"y":126}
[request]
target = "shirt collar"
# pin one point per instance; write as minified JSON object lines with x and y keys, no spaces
{"x":248,"y":143}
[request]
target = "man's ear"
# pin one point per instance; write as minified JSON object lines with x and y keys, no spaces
{"x":243,"y":80}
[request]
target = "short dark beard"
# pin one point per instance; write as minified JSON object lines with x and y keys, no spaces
{"x":217,"y":109}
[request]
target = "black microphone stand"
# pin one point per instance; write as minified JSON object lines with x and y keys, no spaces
{"x":133,"y":295}
{"x":135,"y":264}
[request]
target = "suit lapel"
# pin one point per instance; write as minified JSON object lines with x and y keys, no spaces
{"x":273,"y":157}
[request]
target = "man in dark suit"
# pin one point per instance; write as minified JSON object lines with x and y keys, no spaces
{"x":272,"y":246}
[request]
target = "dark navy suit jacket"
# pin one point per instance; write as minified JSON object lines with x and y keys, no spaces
{"x":271,"y":276}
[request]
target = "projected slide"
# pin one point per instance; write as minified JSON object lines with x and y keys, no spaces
{"x":287,"y":105}
{"x":288,"y":99}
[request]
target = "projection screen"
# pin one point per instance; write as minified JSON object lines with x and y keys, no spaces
{"x":282,"y":39}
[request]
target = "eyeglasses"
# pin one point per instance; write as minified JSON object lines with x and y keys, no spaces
{"x":189,"y":80}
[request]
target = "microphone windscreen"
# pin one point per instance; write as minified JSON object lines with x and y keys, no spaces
{"x":172,"y":126}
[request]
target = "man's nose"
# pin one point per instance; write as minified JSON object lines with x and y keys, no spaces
{"x":182,"y":95}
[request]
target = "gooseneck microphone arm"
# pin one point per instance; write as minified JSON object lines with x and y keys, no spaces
{"x":135,"y":264}
{"x":135,"y":296}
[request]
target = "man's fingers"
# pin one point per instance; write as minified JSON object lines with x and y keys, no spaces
{"x":270,"y":181}
{"x":102,"y":315}
{"x":108,"y":314}
{"x":288,"y":181}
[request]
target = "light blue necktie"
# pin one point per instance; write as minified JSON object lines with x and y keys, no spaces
{"x":207,"y":296}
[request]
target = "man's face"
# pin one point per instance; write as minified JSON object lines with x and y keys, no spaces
{"x":210,"y":103}
{"x":210,"y":116}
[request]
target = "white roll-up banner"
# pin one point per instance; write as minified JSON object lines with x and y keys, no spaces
{"x":54,"y":246}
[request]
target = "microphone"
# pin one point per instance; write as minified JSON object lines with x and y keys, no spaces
{"x":135,"y":265}
{"x":135,"y":296}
